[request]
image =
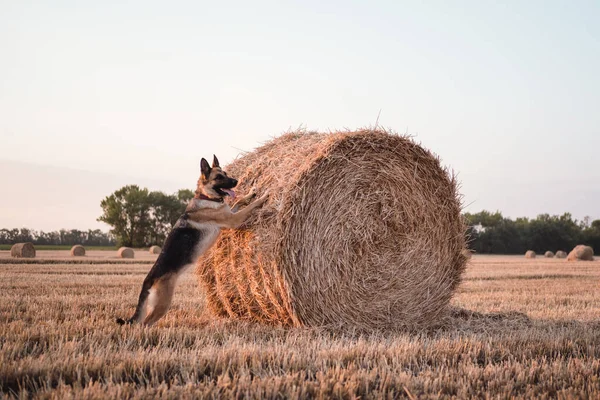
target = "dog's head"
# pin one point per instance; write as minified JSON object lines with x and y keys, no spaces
{"x":214,"y":182}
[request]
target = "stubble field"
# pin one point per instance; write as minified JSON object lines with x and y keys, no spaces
{"x":520,"y":328}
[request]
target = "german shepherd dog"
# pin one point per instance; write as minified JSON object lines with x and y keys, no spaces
{"x":193,"y":234}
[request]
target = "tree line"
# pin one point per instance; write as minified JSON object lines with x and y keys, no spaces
{"x":140,"y":218}
{"x":492,"y":233}
{"x":62,"y":237}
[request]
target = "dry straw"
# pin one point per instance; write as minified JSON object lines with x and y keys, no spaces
{"x":22,"y":250}
{"x":561,"y":254}
{"x":530,"y":254}
{"x":78,"y":251}
{"x":581,"y":253}
{"x":154,"y":250}
{"x":125,"y":252}
{"x":362,"y":230}
{"x":548,"y":254}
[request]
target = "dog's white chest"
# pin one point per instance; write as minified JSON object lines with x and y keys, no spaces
{"x":210,"y":233}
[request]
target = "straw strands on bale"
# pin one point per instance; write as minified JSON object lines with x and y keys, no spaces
{"x":362,"y":230}
{"x":561,"y":254}
{"x":22,"y":250}
{"x":78,"y":251}
{"x":125,"y":252}
{"x":154,"y":250}
{"x":530,"y":254}
{"x":548,"y":254}
{"x":581,"y":253}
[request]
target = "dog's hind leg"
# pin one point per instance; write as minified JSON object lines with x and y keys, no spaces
{"x":159,"y":298}
{"x":179,"y":253}
{"x":140,"y":309}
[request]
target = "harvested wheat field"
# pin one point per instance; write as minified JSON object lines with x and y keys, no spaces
{"x":520,"y":328}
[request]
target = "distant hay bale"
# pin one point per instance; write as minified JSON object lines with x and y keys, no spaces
{"x":362,"y":230}
{"x":22,"y":250}
{"x":548,"y":254}
{"x":561,"y":254}
{"x":78,"y":251}
{"x":154,"y":250}
{"x":581,"y":253}
{"x":530,"y":254}
{"x":467,"y":253}
{"x":125,"y":252}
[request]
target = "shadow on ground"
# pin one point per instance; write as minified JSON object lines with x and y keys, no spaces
{"x":466,"y":322}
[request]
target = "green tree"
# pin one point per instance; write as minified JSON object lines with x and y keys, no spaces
{"x":485,"y":218}
{"x":128,"y":212}
{"x":505,"y":237}
{"x":545,"y":232}
{"x":166,"y":210}
{"x":184,"y":196}
{"x":553,"y":232}
{"x":591,"y":236}
{"x":141,"y":218}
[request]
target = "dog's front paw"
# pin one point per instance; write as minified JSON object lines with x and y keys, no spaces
{"x":252,"y":193}
{"x":263,"y":198}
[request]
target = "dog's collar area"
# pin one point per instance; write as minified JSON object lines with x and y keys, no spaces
{"x":202,"y":196}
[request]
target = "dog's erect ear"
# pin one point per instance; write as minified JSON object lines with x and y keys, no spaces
{"x":205,"y":168}
{"x":215,"y":162}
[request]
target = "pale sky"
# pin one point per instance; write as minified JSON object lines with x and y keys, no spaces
{"x":137,"y":92}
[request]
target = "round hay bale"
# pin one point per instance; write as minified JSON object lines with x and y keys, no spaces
{"x":561,"y":254}
{"x":548,"y":254}
{"x":530,"y":254}
{"x":581,"y":253}
{"x":22,"y":250}
{"x":125,"y":252}
{"x":362,"y":230}
{"x":154,"y":250}
{"x":78,"y":251}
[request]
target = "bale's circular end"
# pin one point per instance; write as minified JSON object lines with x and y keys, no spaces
{"x":548,"y":254}
{"x":561,"y":254}
{"x":125,"y":252}
{"x":581,"y":253}
{"x":78,"y":251}
{"x":154,"y":250}
{"x":361,"y":230}
{"x":22,"y":250}
{"x":530,"y":254}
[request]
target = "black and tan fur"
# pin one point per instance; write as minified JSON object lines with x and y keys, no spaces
{"x":193,"y":234}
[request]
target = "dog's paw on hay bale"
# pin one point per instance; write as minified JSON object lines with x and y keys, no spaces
{"x":154,"y":250}
{"x":125,"y":252}
{"x":530,"y":254}
{"x":561,"y":254}
{"x":548,"y":254}
{"x":362,"y":231}
{"x":78,"y":251}
{"x":581,"y":253}
{"x":22,"y":250}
